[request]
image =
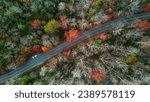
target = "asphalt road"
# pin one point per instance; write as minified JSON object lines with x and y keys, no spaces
{"x":41,"y":58}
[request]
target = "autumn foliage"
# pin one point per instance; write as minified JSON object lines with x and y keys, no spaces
{"x":21,"y":61}
{"x":66,"y":52}
{"x":45,"y":49}
{"x":102,"y":36}
{"x":36,"y":23}
{"x":97,"y":75}
{"x":147,"y":8}
{"x":72,"y":35}
{"x":144,"y":25}
{"x":36,"y":49}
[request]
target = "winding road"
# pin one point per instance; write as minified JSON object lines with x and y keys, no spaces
{"x":41,"y":58}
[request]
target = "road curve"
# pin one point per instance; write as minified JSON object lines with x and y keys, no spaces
{"x":41,"y":58}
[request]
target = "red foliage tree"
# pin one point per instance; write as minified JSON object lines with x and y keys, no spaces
{"x":102,"y":36}
{"x":144,"y":25}
{"x":66,"y":52}
{"x":36,"y":23}
{"x":97,"y":75}
{"x":36,"y":49}
{"x":21,"y":61}
{"x":72,"y":35}
{"x":147,"y":8}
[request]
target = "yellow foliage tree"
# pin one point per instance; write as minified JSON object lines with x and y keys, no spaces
{"x":92,"y":12}
{"x":51,"y":26}
{"x":131,"y":59}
